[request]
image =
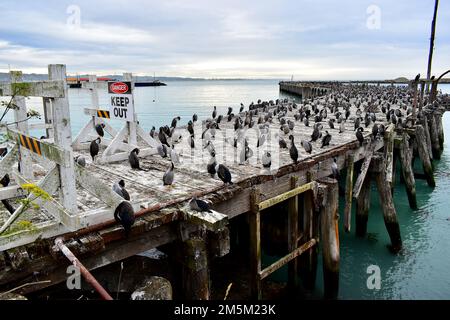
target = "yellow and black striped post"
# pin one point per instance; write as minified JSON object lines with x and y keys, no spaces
{"x":30,"y":143}
{"x":103,"y":114}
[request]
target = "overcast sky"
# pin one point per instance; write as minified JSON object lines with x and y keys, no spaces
{"x":309,"y":39}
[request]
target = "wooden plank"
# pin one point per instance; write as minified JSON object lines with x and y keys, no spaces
{"x":348,"y":194}
{"x":362,"y":175}
{"x":63,"y":139}
{"x":49,"y":151}
{"x":424,"y":155}
{"x":20,"y":117}
{"x":122,"y":156}
{"x":285,"y":196}
{"x":407,"y":171}
{"x":286,"y":259}
{"x":11,"y":192}
{"x":97,"y":188}
{"x":47,"y":89}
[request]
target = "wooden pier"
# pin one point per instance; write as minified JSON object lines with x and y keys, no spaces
{"x":81,"y":204}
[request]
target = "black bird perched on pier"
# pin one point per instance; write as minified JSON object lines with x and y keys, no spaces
{"x":199,"y":205}
{"x":194,"y":117}
{"x":169,"y":176}
{"x":375,"y":131}
{"x":134,"y":160}
{"x":152,"y":132}
{"x":94,"y":148}
{"x":119,"y":188}
{"x":230,"y":110}
{"x":293,"y":152}
{"x":174,"y":122}
{"x":224,"y":174}
{"x":326,"y":139}
{"x":242,"y":108}
{"x":214,"y":114}
{"x":190,"y":127}
{"x":315,"y":135}
{"x":334,"y":169}
{"x":162,"y":150}
{"x":5,"y":180}
{"x":359,"y":135}
{"x":417,"y":78}
{"x":266,"y":159}
{"x":211,"y":166}
{"x":124,"y":214}
{"x":162,"y":137}
{"x":191,"y":141}
{"x":99,"y":128}
{"x":307,"y":146}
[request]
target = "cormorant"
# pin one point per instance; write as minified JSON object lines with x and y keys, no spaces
{"x":211,"y":166}
{"x":326,"y":139}
{"x":224,"y":174}
{"x":266,"y":159}
{"x":162,"y":150}
{"x":124,"y":214}
{"x":134,"y":160}
{"x":94,"y":148}
{"x":334,"y":169}
{"x":293,"y":152}
{"x":80,"y":160}
{"x":360,"y":136}
{"x":307,"y":146}
{"x":199,"y":205}
{"x":99,"y":128}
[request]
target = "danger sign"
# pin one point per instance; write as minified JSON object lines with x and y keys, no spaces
{"x":121,"y":100}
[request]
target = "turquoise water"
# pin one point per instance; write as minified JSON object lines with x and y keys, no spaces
{"x":420,"y":272}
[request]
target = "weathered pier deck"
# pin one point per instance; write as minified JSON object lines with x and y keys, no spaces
{"x":81,"y":208}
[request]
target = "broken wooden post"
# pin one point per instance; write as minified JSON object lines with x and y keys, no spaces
{"x":389,"y":153}
{"x":387,"y":202}
{"x":422,"y":91}
{"x":407,"y":171}
{"x":255,"y":244}
{"x":20,"y":118}
{"x":63,"y":138}
{"x":359,"y":181}
{"x":414,"y":106}
{"x":330,"y":237}
{"x":196,"y":284}
{"x":434,"y":135}
{"x":440,"y":129}
{"x":348,"y":194}
{"x":424,"y":155}
{"x":362,"y":207}
{"x":292,"y":235}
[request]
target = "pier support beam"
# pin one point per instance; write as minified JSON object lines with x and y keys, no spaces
{"x":196,"y":284}
{"x":387,"y":203}
{"x":330,"y":237}
{"x":293,"y":236}
{"x":424,"y":155}
{"x":407,"y":171}
{"x":348,"y":194}
{"x":308,"y":264}
{"x":255,"y":245}
{"x":435,"y":145}
{"x":362,"y":208}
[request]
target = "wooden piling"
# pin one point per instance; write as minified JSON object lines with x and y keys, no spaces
{"x":293,"y":235}
{"x":255,"y":244}
{"x":196,"y":284}
{"x":440,"y":129}
{"x":387,"y":202}
{"x":407,"y":171}
{"x":434,"y":135}
{"x":308,"y":261}
{"x":330,"y":238}
{"x":362,"y":207}
{"x":424,"y":155}
{"x":427,"y":137}
{"x":348,"y":194}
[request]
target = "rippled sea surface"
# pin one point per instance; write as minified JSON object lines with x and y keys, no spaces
{"x":421,"y":271}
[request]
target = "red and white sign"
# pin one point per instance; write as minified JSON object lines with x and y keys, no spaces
{"x":121,"y":100}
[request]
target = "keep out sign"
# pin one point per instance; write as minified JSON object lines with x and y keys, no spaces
{"x":121,"y":100}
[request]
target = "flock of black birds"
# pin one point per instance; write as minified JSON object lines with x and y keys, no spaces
{"x":357,"y":104}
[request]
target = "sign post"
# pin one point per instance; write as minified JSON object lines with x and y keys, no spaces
{"x":121,"y":100}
